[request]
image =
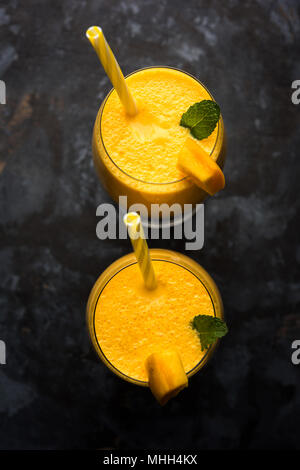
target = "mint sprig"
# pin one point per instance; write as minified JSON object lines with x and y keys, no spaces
{"x":209,"y":329}
{"x":201,"y":118}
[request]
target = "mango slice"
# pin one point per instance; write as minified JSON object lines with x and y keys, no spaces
{"x":204,"y":171}
{"x":166,"y":375}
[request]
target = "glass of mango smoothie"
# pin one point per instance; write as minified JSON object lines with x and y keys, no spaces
{"x":128,"y":322}
{"x":136,"y":156}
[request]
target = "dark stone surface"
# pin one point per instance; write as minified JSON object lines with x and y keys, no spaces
{"x":54,"y":394}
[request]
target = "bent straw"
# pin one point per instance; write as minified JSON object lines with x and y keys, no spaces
{"x":136,"y":233}
{"x":112,"y":68}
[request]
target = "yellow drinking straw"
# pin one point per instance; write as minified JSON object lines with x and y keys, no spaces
{"x":112,"y":68}
{"x":136,"y":233}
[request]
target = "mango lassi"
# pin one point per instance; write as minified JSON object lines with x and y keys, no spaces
{"x":128,"y":323}
{"x":137,"y":156}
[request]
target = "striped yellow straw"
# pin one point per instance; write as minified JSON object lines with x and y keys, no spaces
{"x":112,"y":68}
{"x":136,"y":233}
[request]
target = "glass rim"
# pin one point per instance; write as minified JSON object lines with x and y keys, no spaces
{"x":203,"y":361}
{"x":106,"y":99}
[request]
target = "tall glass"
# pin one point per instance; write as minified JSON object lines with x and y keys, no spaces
{"x":182,"y":264}
{"x":119,"y":182}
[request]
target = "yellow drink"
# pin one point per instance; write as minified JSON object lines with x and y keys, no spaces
{"x":127,"y":322}
{"x":137,"y":156}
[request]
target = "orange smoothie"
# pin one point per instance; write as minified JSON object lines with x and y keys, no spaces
{"x":137,"y":156}
{"x":127,"y":322}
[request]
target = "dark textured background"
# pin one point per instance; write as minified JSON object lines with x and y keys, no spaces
{"x":54,"y":393}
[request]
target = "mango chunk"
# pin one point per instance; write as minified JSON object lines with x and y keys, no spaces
{"x":204,"y":171}
{"x":166,"y":375}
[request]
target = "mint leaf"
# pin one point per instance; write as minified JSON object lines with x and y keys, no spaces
{"x":201,"y":118}
{"x":209,"y":329}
